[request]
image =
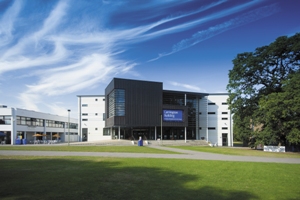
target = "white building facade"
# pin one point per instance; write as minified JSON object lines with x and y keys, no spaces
{"x":91,"y":118}
{"x":215,"y":120}
{"x":20,"y":124}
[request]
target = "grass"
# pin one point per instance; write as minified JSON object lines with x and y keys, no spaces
{"x":127,"y":149}
{"x":239,"y":151}
{"x":128,"y":178}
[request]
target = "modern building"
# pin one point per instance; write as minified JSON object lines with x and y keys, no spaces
{"x":22,"y":124}
{"x":91,"y":119}
{"x":131,"y":109}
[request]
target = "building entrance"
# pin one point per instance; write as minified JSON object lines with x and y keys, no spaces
{"x":84,"y":134}
{"x":224,"y":139}
{"x":137,"y":133}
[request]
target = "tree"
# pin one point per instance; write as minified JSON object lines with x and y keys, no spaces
{"x":282,"y":112}
{"x":256,"y":75}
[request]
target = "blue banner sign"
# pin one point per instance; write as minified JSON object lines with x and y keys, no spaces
{"x":173,"y":115}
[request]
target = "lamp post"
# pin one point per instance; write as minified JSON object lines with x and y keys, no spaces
{"x":161,"y":119}
{"x":69,"y":126}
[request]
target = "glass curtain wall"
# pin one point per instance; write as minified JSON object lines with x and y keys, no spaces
{"x":175,"y":98}
{"x":116,"y":103}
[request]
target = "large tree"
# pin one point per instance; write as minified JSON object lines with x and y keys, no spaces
{"x":282,"y":113}
{"x":254,"y":76}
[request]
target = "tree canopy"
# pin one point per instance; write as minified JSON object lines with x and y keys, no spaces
{"x":263,"y":91}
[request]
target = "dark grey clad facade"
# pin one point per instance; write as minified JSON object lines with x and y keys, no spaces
{"x":143,"y":101}
{"x":135,"y":108}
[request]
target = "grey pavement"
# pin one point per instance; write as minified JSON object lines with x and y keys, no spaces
{"x":184,"y":154}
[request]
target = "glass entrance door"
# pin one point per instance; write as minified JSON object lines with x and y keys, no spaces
{"x":84,"y":134}
{"x":224,"y":139}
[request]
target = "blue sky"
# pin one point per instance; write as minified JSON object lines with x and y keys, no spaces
{"x":51,"y":51}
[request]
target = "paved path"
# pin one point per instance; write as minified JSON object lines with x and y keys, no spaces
{"x":185,"y":154}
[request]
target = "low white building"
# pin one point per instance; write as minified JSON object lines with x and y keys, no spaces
{"x":29,"y":126}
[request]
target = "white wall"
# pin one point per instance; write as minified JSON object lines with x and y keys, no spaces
{"x":218,"y":123}
{"x":91,"y":116}
{"x":31,"y":130}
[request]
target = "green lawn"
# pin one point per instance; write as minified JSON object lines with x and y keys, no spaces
{"x":149,"y":179}
{"x":127,"y":149}
{"x":239,"y":151}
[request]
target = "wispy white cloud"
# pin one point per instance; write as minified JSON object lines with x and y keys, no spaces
{"x":67,"y":59}
{"x":220,"y":28}
{"x":185,"y":86}
{"x":30,"y":100}
{"x":59,"y":108}
{"x":53,"y":20}
{"x":19,"y":56}
{"x":197,"y":22}
{"x":7,"y":23}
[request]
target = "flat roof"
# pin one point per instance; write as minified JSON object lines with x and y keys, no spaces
{"x":94,"y":95}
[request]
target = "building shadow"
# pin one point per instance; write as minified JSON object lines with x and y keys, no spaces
{"x":103,"y":178}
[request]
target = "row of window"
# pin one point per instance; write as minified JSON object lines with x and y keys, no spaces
{"x":30,"y":121}
{"x":212,"y":113}
{"x":223,"y":103}
{"x":86,"y":105}
{"x":86,"y":114}
{"x":214,"y":128}
{"x":40,"y":123}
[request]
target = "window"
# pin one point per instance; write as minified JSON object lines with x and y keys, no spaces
{"x":50,"y":123}
{"x":28,"y":121}
{"x":96,"y":99}
{"x":211,"y":104}
{"x":103,"y":99}
{"x":225,"y":113}
{"x":200,"y":113}
{"x":58,"y":124}
{"x":96,"y":129}
{"x":84,"y":114}
{"x":96,"y":114}
{"x":211,"y":128}
{"x":224,"y":118}
{"x":21,"y":120}
{"x":211,"y":113}
{"x":84,"y":105}
{"x":200,"y":128}
{"x":116,"y":103}
{"x":84,"y":119}
{"x":224,"y":128}
{"x":104,"y":116}
{"x":106,"y":131}
{"x":5,"y":120}
{"x":224,"y":103}
{"x":40,"y":122}
{"x":73,"y":126}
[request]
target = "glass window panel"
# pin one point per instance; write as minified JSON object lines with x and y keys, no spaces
{"x":116,"y":103}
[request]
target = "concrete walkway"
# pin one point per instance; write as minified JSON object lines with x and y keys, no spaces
{"x":185,"y":154}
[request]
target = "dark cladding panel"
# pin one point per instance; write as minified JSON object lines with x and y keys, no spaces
{"x":109,"y":88}
{"x":143,"y":102}
{"x":109,"y":122}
